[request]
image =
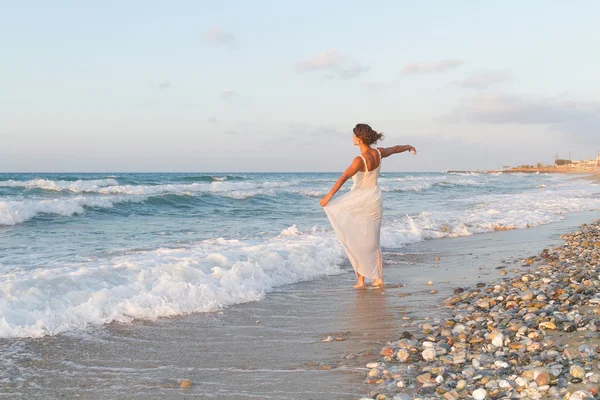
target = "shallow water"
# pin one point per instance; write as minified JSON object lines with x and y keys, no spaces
{"x":272,"y":348}
{"x":83,"y":250}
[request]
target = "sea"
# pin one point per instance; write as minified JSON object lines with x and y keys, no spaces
{"x":81,"y":249}
{"x":127,"y":285}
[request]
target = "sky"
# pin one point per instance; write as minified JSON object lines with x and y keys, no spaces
{"x":243,"y":86}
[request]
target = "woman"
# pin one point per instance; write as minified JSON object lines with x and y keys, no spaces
{"x":356,"y":215}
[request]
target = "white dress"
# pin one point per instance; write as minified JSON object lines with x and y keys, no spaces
{"x":356,"y":219}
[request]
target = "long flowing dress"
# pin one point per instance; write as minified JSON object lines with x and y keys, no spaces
{"x":356,"y":219}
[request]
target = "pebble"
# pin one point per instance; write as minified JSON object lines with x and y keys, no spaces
{"x":185,"y":384}
{"x":543,"y":379}
{"x":402,"y":355}
{"x":497,"y":340}
{"x":531,"y":393}
{"x":570,"y":353}
{"x":504,"y":384}
{"x":424,"y":378}
{"x":580,"y":395}
{"x":479,"y":394}
{"x":576,"y":371}
{"x":428,"y":354}
{"x":527,"y":296}
{"x":504,"y":338}
{"x":521,"y":382}
{"x":451,"y":395}
{"x":547,"y":325}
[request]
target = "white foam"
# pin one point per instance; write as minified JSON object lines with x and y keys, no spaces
{"x":14,"y":212}
{"x":77,"y":186}
{"x":420,"y":183}
{"x":160,"y":283}
{"x":291,"y":231}
{"x":491,"y":212}
{"x":111,"y":186}
{"x":220,"y":272}
{"x":308,"y":192}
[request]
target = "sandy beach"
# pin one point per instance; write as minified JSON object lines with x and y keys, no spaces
{"x":310,"y":340}
{"x":296,"y":200}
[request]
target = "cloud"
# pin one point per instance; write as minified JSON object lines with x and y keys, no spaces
{"x":577,"y":117}
{"x":326,"y":60}
{"x":353,"y":71}
{"x":234,"y":97}
{"x":483,"y":80}
{"x":333,"y":64}
{"x":213,"y":120}
{"x":164,"y":85}
{"x":306,"y":129}
{"x":305,"y":134}
{"x":431,"y":67}
{"x":376,"y":86}
{"x":219,"y":36}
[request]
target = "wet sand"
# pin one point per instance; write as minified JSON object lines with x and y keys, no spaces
{"x":272,"y":348}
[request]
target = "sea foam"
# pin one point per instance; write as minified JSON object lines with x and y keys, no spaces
{"x":164,"y":282}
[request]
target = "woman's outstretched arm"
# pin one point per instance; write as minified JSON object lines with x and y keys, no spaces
{"x":357,"y":165}
{"x":388,"y":151}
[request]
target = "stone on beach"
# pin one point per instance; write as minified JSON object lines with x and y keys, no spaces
{"x":185,"y":384}
{"x":505,"y":339}
{"x":461,"y":384}
{"x":548,"y":325}
{"x":424,"y":378}
{"x":577,"y":371}
{"x":581,"y":395}
{"x":428,"y":354}
{"x":543,"y":379}
{"x":402,"y":355}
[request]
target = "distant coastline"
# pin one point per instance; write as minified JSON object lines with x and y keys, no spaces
{"x":559,"y":169}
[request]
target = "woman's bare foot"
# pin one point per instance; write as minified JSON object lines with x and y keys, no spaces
{"x":378,"y":283}
{"x":361,"y":282}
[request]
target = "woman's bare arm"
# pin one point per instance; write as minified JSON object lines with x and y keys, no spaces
{"x":357,"y":165}
{"x":388,"y":151}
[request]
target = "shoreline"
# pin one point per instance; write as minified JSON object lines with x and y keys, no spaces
{"x":558,"y":170}
{"x":320,"y":332}
{"x":534,"y":335}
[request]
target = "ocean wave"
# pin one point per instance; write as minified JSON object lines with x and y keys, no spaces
{"x":420,"y":185}
{"x":492,"y":213}
{"x":213,"y":178}
{"x":13,"y":212}
{"x":216,"y":273}
{"x":160,"y":283}
{"x":466,"y":173}
{"x":111,"y":186}
{"x":77,"y":186}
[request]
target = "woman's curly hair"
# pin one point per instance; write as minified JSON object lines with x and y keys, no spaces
{"x":367,"y":134}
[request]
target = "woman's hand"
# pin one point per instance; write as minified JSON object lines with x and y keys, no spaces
{"x":413,"y":150}
{"x":325,"y":200}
